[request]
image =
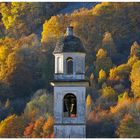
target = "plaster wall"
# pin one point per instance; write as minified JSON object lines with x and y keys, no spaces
{"x":70,"y":131}
{"x":78,"y":65}
{"x":59,"y":93}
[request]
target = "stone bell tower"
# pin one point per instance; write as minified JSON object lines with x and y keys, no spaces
{"x":69,"y":87}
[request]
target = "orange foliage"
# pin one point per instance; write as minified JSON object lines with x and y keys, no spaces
{"x":122,"y":106}
{"x":48,"y":128}
{"x":28,"y":130}
{"x":41,"y":128}
{"x":38,"y":127}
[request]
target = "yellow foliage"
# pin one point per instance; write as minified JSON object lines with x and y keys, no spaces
{"x":135,"y":79}
{"x":132,"y":60}
{"x":102,"y":74}
{"x":113,"y":74}
{"x":88,"y":100}
{"x":54,"y":28}
{"x":101,"y":54}
{"x":3,"y":53}
{"x":12,"y":127}
{"x":109,"y":93}
{"x":101,"y":8}
{"x":122,"y":106}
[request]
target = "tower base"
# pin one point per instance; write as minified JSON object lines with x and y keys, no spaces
{"x":70,"y":131}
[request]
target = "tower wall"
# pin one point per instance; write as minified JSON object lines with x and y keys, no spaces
{"x":69,"y":131}
{"x":66,"y":127}
{"x":59,"y":93}
{"x":78,"y":67}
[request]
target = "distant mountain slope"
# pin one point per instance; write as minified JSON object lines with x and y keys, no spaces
{"x":72,"y":6}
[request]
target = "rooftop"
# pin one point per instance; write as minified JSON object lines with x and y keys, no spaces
{"x":69,"y":43}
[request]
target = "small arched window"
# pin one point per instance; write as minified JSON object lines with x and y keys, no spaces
{"x":69,"y":65}
{"x":70,"y":105}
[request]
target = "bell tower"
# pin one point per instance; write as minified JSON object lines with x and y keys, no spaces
{"x":69,"y":87}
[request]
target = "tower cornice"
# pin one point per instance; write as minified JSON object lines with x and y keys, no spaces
{"x":76,"y":83}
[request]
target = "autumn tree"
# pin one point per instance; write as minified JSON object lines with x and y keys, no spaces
{"x":3,"y":54}
{"x":7,"y":103}
{"x":113,"y":74}
{"x":135,"y":49}
{"x":48,"y":128}
{"x":92,"y":80}
{"x":102,"y":76}
{"x":40,"y":103}
{"x":101,"y":54}
{"x":128,"y":128}
{"x":123,"y":70}
{"x":28,"y":130}
{"x":109,"y":45}
{"x":102,"y":8}
{"x":135,"y":79}
{"x":123,"y":96}
{"x":89,"y":103}
{"x":108,"y":97}
{"x":42,"y":127}
{"x":102,"y":61}
{"x":18,"y":60}
{"x":132,"y":60}
{"x":38,"y":127}
{"x":56,"y":25}
{"x":109,"y":93}
{"x":120,"y":73}
{"x":26,"y":16}
{"x":12,"y":127}
{"x":17,"y":76}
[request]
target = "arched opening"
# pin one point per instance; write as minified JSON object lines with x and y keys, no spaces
{"x":70,"y":105}
{"x":69,"y":65}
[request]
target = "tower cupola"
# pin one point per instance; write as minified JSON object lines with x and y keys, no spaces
{"x":69,"y":57}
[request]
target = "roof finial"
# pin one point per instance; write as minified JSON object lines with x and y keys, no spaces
{"x":69,"y":31}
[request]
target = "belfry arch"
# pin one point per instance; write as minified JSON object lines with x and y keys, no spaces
{"x":69,"y":65}
{"x":70,"y":105}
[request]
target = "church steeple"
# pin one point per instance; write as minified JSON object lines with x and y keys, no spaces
{"x":69,"y":87}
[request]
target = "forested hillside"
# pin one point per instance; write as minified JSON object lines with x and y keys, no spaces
{"x":110,"y":33}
